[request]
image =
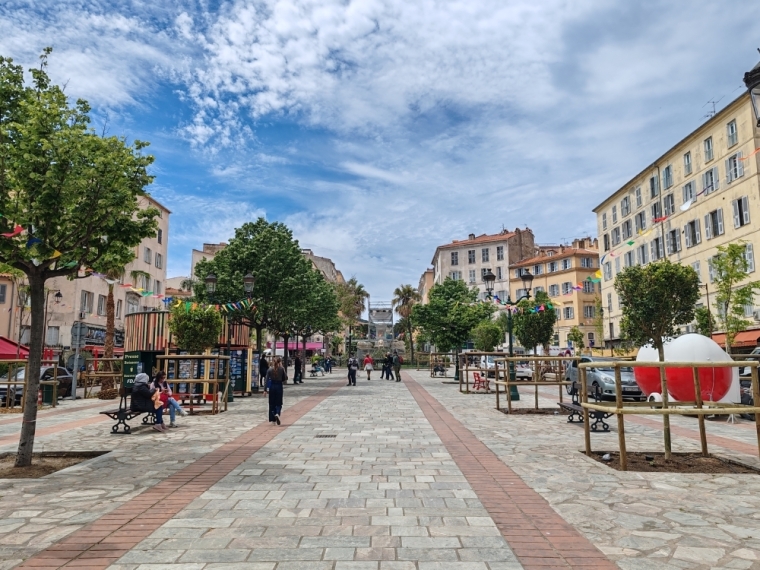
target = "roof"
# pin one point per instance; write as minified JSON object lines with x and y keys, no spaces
{"x":567,"y":253}
{"x":743,"y":339}
{"x":481,"y":239}
{"x":157,"y":203}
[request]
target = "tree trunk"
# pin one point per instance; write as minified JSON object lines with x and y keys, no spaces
{"x":285,"y":338}
{"x":411,"y":341}
{"x":664,"y":387}
{"x":303,"y":358}
{"x":32,"y":374}
{"x":110,"y":323}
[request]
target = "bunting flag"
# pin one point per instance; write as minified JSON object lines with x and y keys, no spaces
{"x":686,"y":205}
{"x":753,"y":154}
{"x":631,"y":242}
{"x":16,"y":231}
{"x":32,"y":242}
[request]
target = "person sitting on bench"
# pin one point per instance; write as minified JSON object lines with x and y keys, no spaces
{"x":145,"y":398}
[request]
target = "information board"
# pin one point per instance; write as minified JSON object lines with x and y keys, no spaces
{"x":132,"y":367}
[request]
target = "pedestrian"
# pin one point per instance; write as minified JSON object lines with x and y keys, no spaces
{"x":353,"y":367}
{"x":328,"y":364}
{"x":397,"y":365}
{"x":147,"y":399}
{"x":298,"y":373}
{"x":388,"y":366}
{"x":263,"y":367}
{"x":275,"y":379}
{"x":165,"y":395}
{"x":368,"y":366}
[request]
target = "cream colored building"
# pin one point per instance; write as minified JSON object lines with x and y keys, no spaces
{"x":427,"y":280}
{"x":325,"y":266}
{"x":468,"y":260}
{"x":563,"y":272}
{"x":208,"y":253}
{"x":700,"y":194}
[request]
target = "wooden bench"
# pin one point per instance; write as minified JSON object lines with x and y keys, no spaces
{"x":576,"y":410}
{"x":124,"y":413}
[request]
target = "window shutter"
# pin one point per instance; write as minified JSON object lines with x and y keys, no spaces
{"x":668,"y":244}
{"x":739,"y":165}
{"x":716,"y":178}
{"x":653,"y":249}
{"x":678,"y":240}
{"x":728,"y":171}
{"x":749,"y":255}
{"x":710,"y":270}
{"x":687,"y":234}
{"x":704,"y":182}
{"x":745,"y":209}
{"x":697,"y":233}
{"x":720,"y":221}
{"x":708,"y":227}
{"x":735,"y":206}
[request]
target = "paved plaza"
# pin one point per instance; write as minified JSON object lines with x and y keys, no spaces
{"x":381,"y":476}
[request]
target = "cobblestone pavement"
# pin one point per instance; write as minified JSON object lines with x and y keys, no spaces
{"x":388,"y":492}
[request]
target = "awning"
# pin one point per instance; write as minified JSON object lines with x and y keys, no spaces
{"x":8,"y":349}
{"x":299,"y":346}
{"x":743,"y":339}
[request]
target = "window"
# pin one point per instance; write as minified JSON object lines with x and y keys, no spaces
{"x":567,"y":263}
{"x":470,"y":256}
{"x":710,"y":269}
{"x":654,"y":187}
{"x":714,"y":224}
{"x":87,"y":300}
{"x":588,"y":287}
{"x":159,"y":261}
{"x":710,"y":181}
{"x":612,"y":330}
{"x":749,"y":310}
{"x":606,"y":240}
{"x":553,"y":265}
{"x":157,"y":287}
{"x":51,"y":338}
{"x":656,"y":211}
{"x":691,"y":233}
{"x":499,"y":252}
{"x":749,"y":256}
{"x":734,"y":167}
{"x":607,"y":271}
{"x":118,"y":309}
{"x":625,"y":206}
{"x":484,"y":253}
{"x":160,"y":236}
{"x":688,"y":192}
{"x":674,"y":241}
{"x":627,"y":228}
{"x":538,"y":289}
{"x":733,"y":134}
{"x":604,"y":221}
{"x":708,"y":149}
{"x":617,"y":270}
{"x":553,"y":290}
{"x":658,"y":249}
{"x":133,"y":304}
{"x":589,"y":312}
{"x":609,"y":302}
{"x":101,"y":305}
{"x":454,"y":258}
{"x":695,"y":267}
{"x":25,"y":334}
{"x":741,"y":211}
{"x":568,"y":313}
{"x":667,"y":177}
{"x":687,"y":164}
{"x":640,"y":222}
{"x":456,"y":275}
{"x":499,"y":273}
{"x":638,"y":196}
{"x":669,"y":204}
{"x":614,"y":214}
{"x":567,"y":287}
{"x":642,"y":255}
{"x":521,"y":293}
{"x":587,"y":262}
{"x":147,"y":255}
{"x":591,"y":339}
{"x":472,"y":276}
{"x":628,"y":258}
{"x":3,"y":292}
{"x":558,"y":312}
{"x":538,"y":269}
{"x":483,"y":272}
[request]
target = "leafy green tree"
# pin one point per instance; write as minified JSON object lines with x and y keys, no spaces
{"x":405,"y":297}
{"x":705,"y":321}
{"x":68,"y":196}
{"x":576,"y":336}
{"x":487,"y":335}
{"x":730,"y":269}
{"x":195,"y":327}
{"x":452,"y":311}
{"x":534,"y":327}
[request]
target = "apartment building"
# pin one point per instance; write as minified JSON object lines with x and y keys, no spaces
{"x":564,"y":273}
{"x":700,"y":194}
{"x":208,"y":253}
{"x":325,"y":266}
{"x":427,"y":280}
{"x":468,"y":260}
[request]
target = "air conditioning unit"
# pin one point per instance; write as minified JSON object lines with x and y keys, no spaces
{"x":756,"y":315}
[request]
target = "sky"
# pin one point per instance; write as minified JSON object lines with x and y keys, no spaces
{"x":379,"y":129}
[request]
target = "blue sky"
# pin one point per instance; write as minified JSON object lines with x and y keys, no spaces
{"x":379,"y":129}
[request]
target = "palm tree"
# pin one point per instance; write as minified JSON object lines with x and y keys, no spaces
{"x":405,"y":298}
{"x":352,"y":297}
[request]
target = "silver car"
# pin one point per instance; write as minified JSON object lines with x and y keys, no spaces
{"x":601,"y":380}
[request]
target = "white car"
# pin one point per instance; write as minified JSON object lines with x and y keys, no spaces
{"x":522,"y":370}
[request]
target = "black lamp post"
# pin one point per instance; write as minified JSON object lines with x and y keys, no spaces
{"x":752,"y":81}
{"x":527,"y":280}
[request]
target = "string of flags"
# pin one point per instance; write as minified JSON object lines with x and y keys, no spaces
{"x":245,"y":304}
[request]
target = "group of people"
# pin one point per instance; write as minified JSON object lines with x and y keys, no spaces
{"x":391,"y":365}
{"x":155,"y":396}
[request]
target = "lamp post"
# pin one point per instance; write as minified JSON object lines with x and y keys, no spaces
{"x":527,"y":280}
{"x":752,"y":81}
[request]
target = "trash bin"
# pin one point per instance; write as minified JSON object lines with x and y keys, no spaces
{"x":47,"y":394}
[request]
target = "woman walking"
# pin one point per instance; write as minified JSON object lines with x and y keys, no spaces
{"x":275,"y":379}
{"x":368,"y":366}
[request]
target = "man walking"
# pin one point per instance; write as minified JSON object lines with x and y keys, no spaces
{"x":397,"y":365}
{"x":353,"y":367}
{"x":387,"y":367}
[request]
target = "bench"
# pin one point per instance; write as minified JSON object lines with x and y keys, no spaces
{"x":124,"y":413}
{"x":576,"y":410}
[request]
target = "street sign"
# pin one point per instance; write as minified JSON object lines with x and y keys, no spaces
{"x":132,"y":367}
{"x":79,"y":333}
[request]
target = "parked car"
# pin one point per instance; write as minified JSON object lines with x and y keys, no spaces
{"x":522,"y":370}
{"x":601,"y":380}
{"x":746,"y":371}
{"x":46,"y":373}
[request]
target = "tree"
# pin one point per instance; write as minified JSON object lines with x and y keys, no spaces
{"x":452,"y":311}
{"x":195,"y":327}
{"x":404,"y":299}
{"x":599,"y":322}
{"x":576,"y":336}
{"x":352,"y":297}
{"x":68,"y":197}
{"x":705,"y":321}
{"x":729,"y":269}
{"x":487,"y":335}
{"x":534,"y":326}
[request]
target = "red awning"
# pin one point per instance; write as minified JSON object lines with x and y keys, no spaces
{"x":8,"y":349}
{"x":299,"y":346}
{"x":743,"y":339}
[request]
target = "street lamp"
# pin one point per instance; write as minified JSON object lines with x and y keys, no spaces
{"x":58,"y":297}
{"x":488,"y":279}
{"x":527,"y":281}
{"x":248,"y":282}
{"x":752,"y":81}
{"x":211,"y":284}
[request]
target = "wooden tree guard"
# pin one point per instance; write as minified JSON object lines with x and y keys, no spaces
{"x":210,"y":385}
{"x":665,"y":409}
{"x":434,"y":357}
{"x":542,"y":375}
{"x":464,"y":365}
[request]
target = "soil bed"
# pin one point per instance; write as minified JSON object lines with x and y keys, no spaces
{"x":530,"y":411}
{"x":678,"y":463}
{"x":43,"y":463}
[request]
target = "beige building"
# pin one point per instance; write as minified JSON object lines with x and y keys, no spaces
{"x":700,"y":194}
{"x":469,"y":259}
{"x":325,"y":266}
{"x":427,"y":280}
{"x":563,"y":272}
{"x":208,"y":252}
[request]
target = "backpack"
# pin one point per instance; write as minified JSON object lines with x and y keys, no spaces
{"x":353,"y":364}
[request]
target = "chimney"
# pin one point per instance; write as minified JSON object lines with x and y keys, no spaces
{"x":471,"y":236}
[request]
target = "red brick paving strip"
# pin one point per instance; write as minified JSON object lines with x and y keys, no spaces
{"x":539,"y":537}
{"x":102,"y":542}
